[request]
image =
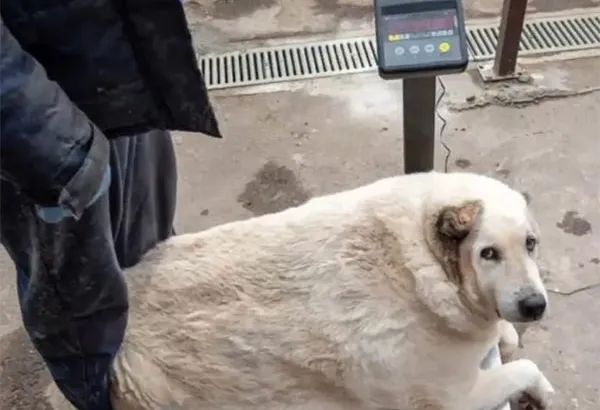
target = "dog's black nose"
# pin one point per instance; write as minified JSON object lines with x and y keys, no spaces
{"x":533,"y":306}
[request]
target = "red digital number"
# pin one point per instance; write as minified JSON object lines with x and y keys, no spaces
{"x":423,"y":24}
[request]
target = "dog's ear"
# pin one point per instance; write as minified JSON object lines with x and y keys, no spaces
{"x":455,"y":222}
{"x":451,"y":225}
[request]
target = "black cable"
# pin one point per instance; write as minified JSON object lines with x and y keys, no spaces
{"x":444,"y":124}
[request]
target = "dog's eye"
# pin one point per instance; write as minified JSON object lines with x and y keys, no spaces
{"x":490,"y":254}
{"x":530,"y":243}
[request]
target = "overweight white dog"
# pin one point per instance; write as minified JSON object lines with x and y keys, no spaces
{"x":383,"y":297}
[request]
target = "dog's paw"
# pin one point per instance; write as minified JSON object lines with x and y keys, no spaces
{"x":536,"y":391}
{"x":538,"y":397}
{"x":526,"y":402}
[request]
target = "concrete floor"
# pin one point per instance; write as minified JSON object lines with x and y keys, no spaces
{"x":288,"y":142}
{"x":219,"y":23}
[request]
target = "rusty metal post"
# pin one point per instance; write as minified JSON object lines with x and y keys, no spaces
{"x":511,"y":26}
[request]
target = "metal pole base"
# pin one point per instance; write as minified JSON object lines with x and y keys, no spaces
{"x":488,"y":75}
{"x":419,"y":124}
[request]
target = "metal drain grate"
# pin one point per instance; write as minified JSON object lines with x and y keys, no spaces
{"x":356,"y":55}
{"x":539,"y":36}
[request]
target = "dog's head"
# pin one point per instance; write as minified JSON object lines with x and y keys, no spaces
{"x":488,"y":248}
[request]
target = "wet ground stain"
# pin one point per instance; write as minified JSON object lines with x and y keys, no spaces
{"x":274,"y":188}
{"x":344,"y":10}
{"x":462,"y":163}
{"x":233,"y":9}
{"x":23,"y":374}
{"x":595,"y":261}
{"x":504,"y":173}
{"x":573,"y":224}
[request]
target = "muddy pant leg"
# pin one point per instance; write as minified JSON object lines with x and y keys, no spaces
{"x":71,"y":289}
{"x":72,"y":294}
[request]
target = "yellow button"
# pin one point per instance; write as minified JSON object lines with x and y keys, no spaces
{"x":444,"y":47}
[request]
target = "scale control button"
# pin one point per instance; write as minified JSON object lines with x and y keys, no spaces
{"x":429,"y":48}
{"x":399,"y":51}
{"x":414,"y":49}
{"x":444,"y":47}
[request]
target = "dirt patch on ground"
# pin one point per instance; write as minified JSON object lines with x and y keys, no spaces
{"x":23,"y":374}
{"x":344,"y":10}
{"x":273,"y":189}
{"x":232,"y":9}
{"x":227,"y":9}
{"x":573,"y":224}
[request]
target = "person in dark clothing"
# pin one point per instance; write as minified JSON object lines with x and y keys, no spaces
{"x":88,"y":90}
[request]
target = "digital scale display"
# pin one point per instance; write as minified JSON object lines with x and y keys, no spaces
{"x":417,"y":35}
{"x":424,"y":25}
{"x":420,"y":24}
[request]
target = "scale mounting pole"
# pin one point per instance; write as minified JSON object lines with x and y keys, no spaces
{"x":418,"y":96}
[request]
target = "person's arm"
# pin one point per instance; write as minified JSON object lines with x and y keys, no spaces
{"x":49,"y":149}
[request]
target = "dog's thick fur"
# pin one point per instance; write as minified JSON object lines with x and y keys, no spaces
{"x":373,"y":298}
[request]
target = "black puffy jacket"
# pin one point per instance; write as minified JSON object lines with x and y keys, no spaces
{"x":75,"y":71}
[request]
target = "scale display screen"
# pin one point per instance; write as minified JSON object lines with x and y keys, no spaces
{"x":422,"y":23}
{"x":420,"y":35}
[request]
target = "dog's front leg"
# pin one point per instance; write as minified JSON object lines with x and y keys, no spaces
{"x":496,"y":386}
{"x":509,"y":340}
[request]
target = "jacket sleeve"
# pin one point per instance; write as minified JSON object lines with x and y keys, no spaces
{"x":49,"y":149}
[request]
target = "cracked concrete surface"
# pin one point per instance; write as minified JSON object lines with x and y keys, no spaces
{"x":286,"y":142}
{"x":517,"y":96}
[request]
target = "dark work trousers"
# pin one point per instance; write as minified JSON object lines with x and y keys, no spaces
{"x":71,"y":289}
